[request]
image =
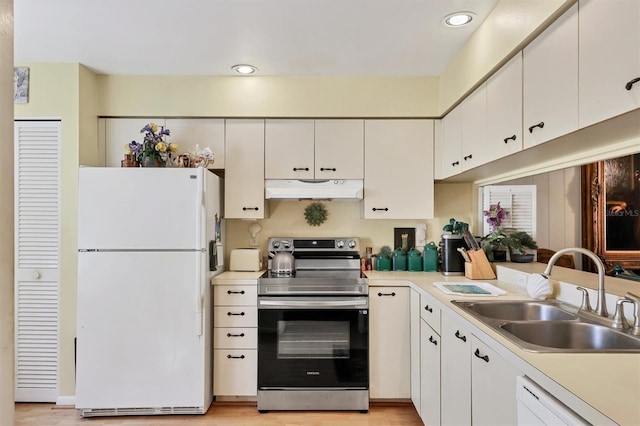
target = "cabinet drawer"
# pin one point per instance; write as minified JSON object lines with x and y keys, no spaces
{"x":430,"y":311}
{"x":235,"y":295}
{"x":235,"y":316}
{"x":235,"y":372}
{"x":235,"y":338}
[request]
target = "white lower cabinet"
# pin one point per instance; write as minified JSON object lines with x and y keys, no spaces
{"x":235,"y":338}
{"x":389,"y":342}
{"x":430,"y":347}
{"x":493,"y":387}
{"x":455,"y":367}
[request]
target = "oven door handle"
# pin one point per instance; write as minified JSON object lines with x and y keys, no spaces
{"x":349,"y":303}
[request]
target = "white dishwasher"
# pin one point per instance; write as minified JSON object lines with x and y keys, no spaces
{"x":537,"y":407}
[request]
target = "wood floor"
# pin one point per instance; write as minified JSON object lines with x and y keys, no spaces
{"x":225,"y":413}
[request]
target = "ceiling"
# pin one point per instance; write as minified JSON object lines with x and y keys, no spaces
{"x":280,"y":37}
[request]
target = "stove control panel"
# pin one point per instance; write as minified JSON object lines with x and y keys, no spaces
{"x":314,"y":244}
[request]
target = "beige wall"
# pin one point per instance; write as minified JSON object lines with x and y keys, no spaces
{"x":344,"y":219}
{"x":202,"y":96}
{"x":6,"y":214}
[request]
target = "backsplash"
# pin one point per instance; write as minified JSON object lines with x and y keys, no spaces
{"x":344,"y":219}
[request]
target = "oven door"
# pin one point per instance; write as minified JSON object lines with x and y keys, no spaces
{"x":313,"y":342}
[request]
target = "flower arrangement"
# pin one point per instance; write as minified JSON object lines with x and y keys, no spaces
{"x":153,"y":146}
{"x":495,"y":215}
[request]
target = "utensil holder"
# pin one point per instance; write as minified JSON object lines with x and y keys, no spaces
{"x":479,"y":268}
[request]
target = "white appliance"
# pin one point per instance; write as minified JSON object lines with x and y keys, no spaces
{"x":536,"y":407}
{"x":149,"y":241}
{"x":342,"y":189}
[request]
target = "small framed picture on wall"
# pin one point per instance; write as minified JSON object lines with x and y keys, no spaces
{"x":20,"y":85}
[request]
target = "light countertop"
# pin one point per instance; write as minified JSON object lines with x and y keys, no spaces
{"x":610,"y":383}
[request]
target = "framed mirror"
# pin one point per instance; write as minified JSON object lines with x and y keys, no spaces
{"x":611,"y":211}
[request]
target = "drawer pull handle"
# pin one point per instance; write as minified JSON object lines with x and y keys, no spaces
{"x":455,"y":163}
{"x":250,"y":208}
{"x":235,"y":335}
{"x":234,"y":313}
{"x":235,"y":357}
{"x":299,"y":169}
{"x":540,"y":124}
{"x":327,"y":169}
{"x":459,"y":336}
{"x":375,"y":209}
{"x":428,"y":309}
{"x":432,"y":340}
{"x":510,"y":138}
{"x":630,"y":84}
{"x":485,"y":357}
{"x":235,"y":292}
{"x":468,"y":157}
{"x":387,"y":294}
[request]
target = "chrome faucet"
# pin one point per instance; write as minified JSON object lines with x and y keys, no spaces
{"x":601,"y":302}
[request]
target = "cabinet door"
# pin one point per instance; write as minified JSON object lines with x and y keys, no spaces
{"x":609,"y":55}
{"x":289,"y":146}
{"x":456,"y":369}
{"x":475,"y":151}
{"x":339,"y":149}
{"x":452,"y":143}
{"x":550,"y":81}
{"x":201,"y":132}
{"x":235,"y":372}
{"x":493,"y":387}
{"x":415,"y":349}
{"x":398,"y":174}
{"x":429,"y":375}
{"x":504,"y":110}
{"x":244,"y":172}
{"x":120,"y":132}
{"x":389,"y":342}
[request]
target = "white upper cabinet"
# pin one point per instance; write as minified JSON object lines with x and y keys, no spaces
{"x":203,"y":132}
{"x":504,"y":110}
{"x":451,"y":143}
{"x":550,"y":81}
{"x":289,"y":150}
{"x":244,"y":172}
{"x":119,"y":132}
{"x":609,"y":55}
{"x":314,"y":149}
{"x":398,"y":170}
{"x":475,"y":147}
{"x":339,"y":149}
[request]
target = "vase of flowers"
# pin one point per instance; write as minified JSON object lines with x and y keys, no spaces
{"x":154,"y":151}
{"x":492,"y":243}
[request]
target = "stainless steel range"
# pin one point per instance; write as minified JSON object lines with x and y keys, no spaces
{"x":313,"y":328}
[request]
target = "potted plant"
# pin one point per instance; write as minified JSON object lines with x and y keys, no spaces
{"x":518,"y":243}
{"x":492,"y":244}
{"x":455,"y":227}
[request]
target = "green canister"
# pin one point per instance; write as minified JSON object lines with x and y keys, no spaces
{"x":414,"y":259}
{"x":399,"y":260}
{"x":430,"y":257}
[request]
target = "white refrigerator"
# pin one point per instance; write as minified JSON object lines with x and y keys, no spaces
{"x":149,"y":242}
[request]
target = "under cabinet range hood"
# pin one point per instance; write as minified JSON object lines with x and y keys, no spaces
{"x":331,"y":189}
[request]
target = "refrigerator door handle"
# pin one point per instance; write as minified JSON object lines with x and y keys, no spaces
{"x":199,"y":298}
{"x":200,"y":206}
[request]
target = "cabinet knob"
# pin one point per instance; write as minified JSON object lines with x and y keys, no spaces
{"x":483,"y":357}
{"x":327,"y":169}
{"x":540,"y":124}
{"x":250,"y":208}
{"x":510,"y":138}
{"x":300,"y":169}
{"x":375,"y":209}
{"x":387,"y":294}
{"x":461,"y":337}
{"x":630,"y":84}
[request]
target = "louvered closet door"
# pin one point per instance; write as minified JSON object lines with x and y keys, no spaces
{"x":37,"y":259}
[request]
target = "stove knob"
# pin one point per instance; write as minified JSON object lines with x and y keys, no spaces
{"x":340,"y":244}
{"x":352,"y":244}
{"x":276,"y":244}
{"x":286,"y":245}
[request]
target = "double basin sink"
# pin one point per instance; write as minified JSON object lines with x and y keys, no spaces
{"x":549,"y":326}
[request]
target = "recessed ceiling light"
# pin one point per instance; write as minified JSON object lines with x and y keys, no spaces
{"x":244,"y":69}
{"x":458,"y":19}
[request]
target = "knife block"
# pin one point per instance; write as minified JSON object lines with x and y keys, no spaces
{"x":479,"y":268}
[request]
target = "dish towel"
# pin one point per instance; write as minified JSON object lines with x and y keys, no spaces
{"x":539,"y":286}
